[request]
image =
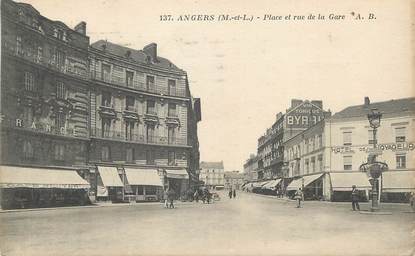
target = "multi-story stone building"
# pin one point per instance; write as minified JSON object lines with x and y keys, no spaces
{"x":233,"y":180}
{"x":326,"y":158}
{"x":300,"y":116}
{"x":251,"y":168}
{"x":212,"y":174}
{"x":140,"y":111}
{"x":44,"y":105}
{"x":122,"y":119}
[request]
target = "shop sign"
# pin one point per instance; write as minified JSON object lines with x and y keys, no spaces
{"x":400,"y":146}
{"x":342,"y":149}
{"x":304,"y":116}
{"x":47,"y":128}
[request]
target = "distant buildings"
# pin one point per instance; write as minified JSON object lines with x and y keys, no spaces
{"x":233,"y":180}
{"x":212,"y":174}
{"x":116,"y":121}
{"x":325,"y":159}
{"x":251,"y":168}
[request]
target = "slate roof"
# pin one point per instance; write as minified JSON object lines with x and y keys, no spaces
{"x":136,"y":55}
{"x":211,"y":165}
{"x":405,"y":105}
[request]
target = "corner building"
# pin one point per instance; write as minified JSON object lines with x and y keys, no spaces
{"x":140,"y":111}
{"x":44,"y":109}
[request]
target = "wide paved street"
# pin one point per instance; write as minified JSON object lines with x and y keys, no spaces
{"x":248,"y":225}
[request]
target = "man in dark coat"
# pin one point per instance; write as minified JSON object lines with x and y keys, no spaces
{"x":355,"y":198}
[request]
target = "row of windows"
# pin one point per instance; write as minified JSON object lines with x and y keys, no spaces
{"x":129,"y":80}
{"x":130,"y":156}
{"x":130,"y":105}
{"x":400,"y":162}
{"x":400,"y":136}
{"x":30,"y":85}
{"x":28,"y":151}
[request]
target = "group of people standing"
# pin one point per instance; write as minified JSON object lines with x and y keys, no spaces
{"x":202,"y":194}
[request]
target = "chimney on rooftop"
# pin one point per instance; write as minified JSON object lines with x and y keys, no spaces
{"x":81,"y":28}
{"x":151,"y":50}
{"x":367,"y":101}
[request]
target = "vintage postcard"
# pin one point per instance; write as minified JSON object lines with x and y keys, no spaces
{"x":207,"y":127}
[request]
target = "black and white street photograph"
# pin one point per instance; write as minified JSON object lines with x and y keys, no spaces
{"x":207,"y":128}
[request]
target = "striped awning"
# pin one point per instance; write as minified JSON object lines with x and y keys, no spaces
{"x":28,"y":177}
{"x":271,"y":184}
{"x":298,"y":183}
{"x":343,"y":181}
{"x":177,"y":174}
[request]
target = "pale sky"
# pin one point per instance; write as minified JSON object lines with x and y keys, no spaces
{"x":246,"y":72}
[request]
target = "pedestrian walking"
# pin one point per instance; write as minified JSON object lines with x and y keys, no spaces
{"x":299,"y":196}
{"x":234,"y":193}
{"x":170,"y":196}
{"x":165,"y":197}
{"x":355,"y":198}
{"x":230,"y":194}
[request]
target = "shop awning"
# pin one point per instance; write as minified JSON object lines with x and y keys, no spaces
{"x":177,"y":174}
{"x":398,"y":181}
{"x":27,"y":177}
{"x":271,"y":184}
{"x":343,"y":181}
{"x":298,"y":183}
{"x":109,"y":176}
{"x":148,"y":177}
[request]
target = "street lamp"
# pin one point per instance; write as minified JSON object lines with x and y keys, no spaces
{"x":375,"y":168}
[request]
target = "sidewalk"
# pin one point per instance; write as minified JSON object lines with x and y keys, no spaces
{"x":94,"y":205}
{"x":390,"y":207}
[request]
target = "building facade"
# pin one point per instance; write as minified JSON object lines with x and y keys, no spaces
{"x":251,"y":168}
{"x":234,"y":180}
{"x":44,"y":99}
{"x":122,"y":119}
{"x":212,"y":174}
{"x":326,"y":159}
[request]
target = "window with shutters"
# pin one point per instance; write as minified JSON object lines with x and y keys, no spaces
{"x":28,"y":152}
{"x":106,"y":99}
{"x":347,"y":138}
{"x":19,"y":48}
{"x":171,"y":135}
{"x":28,"y":115}
{"x":129,"y":76}
{"x":151,"y":107}
{"x":60,"y":90}
{"x":150,"y":134}
{"x":105,"y":153}
{"x":59,"y":152}
{"x":129,"y":155}
{"x":130,"y":103}
{"x":347,"y":163}
{"x":60,"y":58}
{"x":400,"y":134}
{"x":151,"y":87}
{"x":400,"y":161}
{"x":29,"y":81}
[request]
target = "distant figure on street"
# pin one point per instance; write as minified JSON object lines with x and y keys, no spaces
{"x":207,"y":195}
{"x":170,"y":196}
{"x":355,"y":198}
{"x":412,"y":201}
{"x":230,"y":193}
{"x":166,"y":198}
{"x":299,"y":196}
{"x":196,"y":195}
{"x":234,"y":193}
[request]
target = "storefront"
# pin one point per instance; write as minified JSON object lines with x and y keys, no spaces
{"x":142,"y":185}
{"x":342,"y":182}
{"x":109,"y":184}
{"x":178,"y":180}
{"x":27,"y":187}
{"x":397,"y":186}
{"x":272,"y":186}
{"x":312,"y":186}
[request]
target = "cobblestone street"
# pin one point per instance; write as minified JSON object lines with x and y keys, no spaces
{"x":248,"y":225}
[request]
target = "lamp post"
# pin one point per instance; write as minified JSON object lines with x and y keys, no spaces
{"x":375,"y":169}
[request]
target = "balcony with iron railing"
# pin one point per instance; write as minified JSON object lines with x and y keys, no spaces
{"x":70,"y":66}
{"x":137,"y":85}
{"x":135,"y":137}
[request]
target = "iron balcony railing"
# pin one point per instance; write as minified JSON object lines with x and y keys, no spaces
{"x":137,"y":85}
{"x":134,"y":137}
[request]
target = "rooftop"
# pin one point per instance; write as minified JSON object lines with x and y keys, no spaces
{"x":212,"y":165}
{"x":384,"y":107}
{"x":133,"y":54}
